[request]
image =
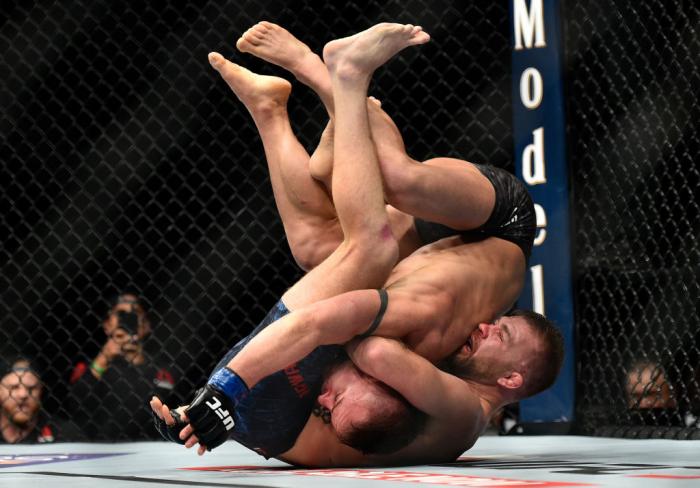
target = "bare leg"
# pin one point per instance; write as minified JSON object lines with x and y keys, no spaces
{"x":449,"y":191}
{"x":368,"y":251}
{"x":434,"y":190}
{"x":321,"y":165}
{"x":307,"y":213}
{"x":276,"y":45}
{"x":467,"y":196}
{"x":321,"y":161}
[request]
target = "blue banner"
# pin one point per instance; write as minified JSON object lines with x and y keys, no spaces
{"x":539,"y":133}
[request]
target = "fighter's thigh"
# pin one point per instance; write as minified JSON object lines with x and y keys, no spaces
{"x":449,"y":191}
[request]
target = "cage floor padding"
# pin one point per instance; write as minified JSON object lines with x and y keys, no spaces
{"x":547,"y":461}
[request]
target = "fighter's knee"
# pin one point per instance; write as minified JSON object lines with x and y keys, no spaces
{"x":388,"y":245}
{"x":385,"y":255}
{"x":378,"y":249}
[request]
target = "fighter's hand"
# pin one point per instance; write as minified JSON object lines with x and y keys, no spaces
{"x":190,"y":439}
{"x":168,"y":422}
{"x":211,"y":419}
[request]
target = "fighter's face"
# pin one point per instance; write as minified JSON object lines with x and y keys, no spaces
{"x":349,"y":395}
{"x":496,"y":349}
{"x":20,"y":396}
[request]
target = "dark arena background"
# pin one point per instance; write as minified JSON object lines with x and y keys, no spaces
{"x":127,"y":166}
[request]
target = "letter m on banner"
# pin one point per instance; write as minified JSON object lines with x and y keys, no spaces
{"x":528,"y":24}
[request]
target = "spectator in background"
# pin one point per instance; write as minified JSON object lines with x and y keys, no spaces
{"x":21,"y":419}
{"x":110,"y":394}
{"x":647,"y":387}
{"x":651,"y":398}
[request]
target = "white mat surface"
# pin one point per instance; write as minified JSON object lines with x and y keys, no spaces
{"x":546,"y":461}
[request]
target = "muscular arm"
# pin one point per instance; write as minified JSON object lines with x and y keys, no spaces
{"x":438,"y":394}
{"x":335,"y":320}
{"x":455,"y":415}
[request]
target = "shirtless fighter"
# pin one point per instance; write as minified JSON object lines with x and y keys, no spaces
{"x":494,"y":380}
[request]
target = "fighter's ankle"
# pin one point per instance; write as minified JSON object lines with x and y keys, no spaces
{"x":348,"y":72}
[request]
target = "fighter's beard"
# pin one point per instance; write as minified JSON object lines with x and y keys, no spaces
{"x":466,"y":369}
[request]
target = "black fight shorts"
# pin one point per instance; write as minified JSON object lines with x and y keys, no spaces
{"x":513,"y":217}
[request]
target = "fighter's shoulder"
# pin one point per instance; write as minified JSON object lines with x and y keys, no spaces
{"x":487,"y":260}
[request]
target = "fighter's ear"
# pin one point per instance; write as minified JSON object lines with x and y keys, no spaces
{"x":511,"y":380}
{"x":325,"y":399}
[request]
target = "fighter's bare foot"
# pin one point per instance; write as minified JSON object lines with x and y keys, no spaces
{"x":257,"y":92}
{"x":278,"y":46}
{"x":361,"y":54}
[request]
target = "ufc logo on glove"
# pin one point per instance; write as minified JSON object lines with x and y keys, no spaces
{"x":215,"y":405}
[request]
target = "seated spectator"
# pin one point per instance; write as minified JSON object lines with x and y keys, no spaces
{"x":648,"y":387}
{"x":651,"y":399}
{"x":110,"y":393}
{"x":21,"y":420}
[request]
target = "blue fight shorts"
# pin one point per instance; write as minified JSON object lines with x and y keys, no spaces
{"x":271,"y":416}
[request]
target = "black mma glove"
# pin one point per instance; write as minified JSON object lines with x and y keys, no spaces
{"x":170,"y":432}
{"x":211,"y":412}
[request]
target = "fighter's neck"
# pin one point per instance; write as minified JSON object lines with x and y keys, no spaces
{"x":490,"y":398}
{"x":318,"y":446}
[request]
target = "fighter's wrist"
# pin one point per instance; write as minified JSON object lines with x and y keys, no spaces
{"x":229,"y":383}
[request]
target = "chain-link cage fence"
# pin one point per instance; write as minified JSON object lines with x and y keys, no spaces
{"x":135,"y":191}
{"x":633,"y":111}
